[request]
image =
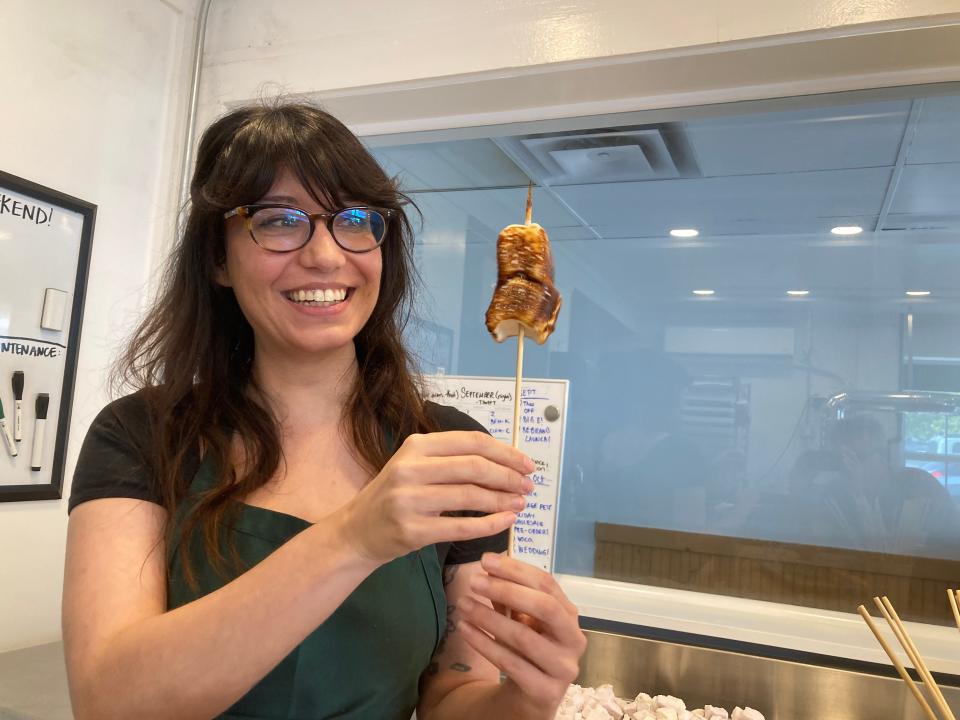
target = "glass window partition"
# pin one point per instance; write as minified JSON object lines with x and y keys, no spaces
{"x":761,"y":330}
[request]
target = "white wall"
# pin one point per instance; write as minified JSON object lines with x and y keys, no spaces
{"x":305,"y":46}
{"x":93,"y":96}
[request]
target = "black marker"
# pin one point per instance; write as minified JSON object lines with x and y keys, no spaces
{"x":18,"y":405}
{"x":43,"y":400}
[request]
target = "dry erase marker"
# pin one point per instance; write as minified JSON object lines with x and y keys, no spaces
{"x":7,"y":437}
{"x":36,"y":457}
{"x":18,"y":405}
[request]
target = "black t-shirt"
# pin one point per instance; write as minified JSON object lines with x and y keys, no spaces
{"x":114,"y":463}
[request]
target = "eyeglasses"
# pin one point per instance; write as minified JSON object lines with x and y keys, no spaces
{"x":284,"y":228}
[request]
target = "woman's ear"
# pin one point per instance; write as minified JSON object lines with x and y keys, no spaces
{"x":220,"y":275}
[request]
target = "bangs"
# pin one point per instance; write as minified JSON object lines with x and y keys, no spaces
{"x":328,"y":160}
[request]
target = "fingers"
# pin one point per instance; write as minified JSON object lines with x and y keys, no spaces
{"x":457,"y":529}
{"x":435,"y":499}
{"x":422,"y":531}
{"x":463,"y":469}
{"x":466,"y":442}
{"x":525,"y":574}
{"x":553,"y":611}
{"x":524,"y":641}
{"x":535,"y":683}
{"x":540,"y":643}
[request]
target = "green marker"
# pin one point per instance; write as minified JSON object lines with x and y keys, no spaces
{"x":5,"y":431}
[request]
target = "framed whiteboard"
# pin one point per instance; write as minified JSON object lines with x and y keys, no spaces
{"x":543,"y":416}
{"x":45,"y":240}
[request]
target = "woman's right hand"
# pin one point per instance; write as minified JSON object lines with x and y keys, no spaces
{"x":400,"y":510}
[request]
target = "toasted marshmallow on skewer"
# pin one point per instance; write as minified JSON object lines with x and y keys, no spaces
{"x":525,"y":294}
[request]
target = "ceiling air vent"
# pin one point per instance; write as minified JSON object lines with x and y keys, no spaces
{"x":620,"y":155}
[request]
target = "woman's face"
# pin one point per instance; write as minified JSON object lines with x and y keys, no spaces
{"x":267,"y":284}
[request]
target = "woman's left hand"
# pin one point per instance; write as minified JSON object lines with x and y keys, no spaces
{"x":537,"y":646}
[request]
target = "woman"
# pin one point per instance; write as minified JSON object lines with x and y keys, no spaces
{"x":260,"y":531}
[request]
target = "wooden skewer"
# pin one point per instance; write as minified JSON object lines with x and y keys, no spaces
{"x":890,"y":615}
{"x":922,"y":665}
{"x":528,"y":216}
{"x":911,"y":685}
{"x":953,"y":605}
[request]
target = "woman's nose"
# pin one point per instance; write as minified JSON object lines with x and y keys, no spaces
{"x":322,"y":251}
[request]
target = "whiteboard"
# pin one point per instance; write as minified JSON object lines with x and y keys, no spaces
{"x":489,"y":400}
{"x":45,"y":239}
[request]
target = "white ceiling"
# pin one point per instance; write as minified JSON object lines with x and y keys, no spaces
{"x":767,"y":190}
{"x":772,"y":204}
{"x":801,"y":141}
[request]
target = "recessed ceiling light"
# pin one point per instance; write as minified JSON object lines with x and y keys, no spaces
{"x":918,"y":293}
{"x":684,"y":232}
{"x":847,"y":230}
{"x":703,"y":293}
{"x":798,"y":293}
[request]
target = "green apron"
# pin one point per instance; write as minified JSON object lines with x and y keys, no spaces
{"x":365,"y":661}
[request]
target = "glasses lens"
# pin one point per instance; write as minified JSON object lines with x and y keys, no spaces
{"x":359,"y":229}
{"x":280,"y":229}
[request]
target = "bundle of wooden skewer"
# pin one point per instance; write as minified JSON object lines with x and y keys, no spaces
{"x":913,"y":654}
{"x":954,"y":597}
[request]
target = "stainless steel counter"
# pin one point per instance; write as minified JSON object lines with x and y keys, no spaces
{"x":33,"y":684}
{"x":780,"y":689}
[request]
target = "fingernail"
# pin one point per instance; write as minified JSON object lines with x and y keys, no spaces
{"x":518,"y":503}
{"x":527,"y":484}
{"x":528,"y":464}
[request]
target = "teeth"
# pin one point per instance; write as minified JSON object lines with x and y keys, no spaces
{"x":326,"y":297}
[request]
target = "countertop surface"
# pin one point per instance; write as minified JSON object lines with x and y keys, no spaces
{"x":33,"y":684}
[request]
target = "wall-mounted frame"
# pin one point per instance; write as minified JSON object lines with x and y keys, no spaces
{"x":45,"y":243}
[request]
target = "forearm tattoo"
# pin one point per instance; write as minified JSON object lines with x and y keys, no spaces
{"x":449,"y":573}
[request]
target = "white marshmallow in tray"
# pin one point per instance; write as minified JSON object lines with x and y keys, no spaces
{"x":586,"y":703}
{"x":596,"y":713}
{"x":669,"y":701}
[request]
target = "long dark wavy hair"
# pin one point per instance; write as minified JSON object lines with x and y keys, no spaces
{"x":192,"y":354}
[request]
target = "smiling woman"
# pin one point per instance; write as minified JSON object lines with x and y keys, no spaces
{"x":277,"y":492}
